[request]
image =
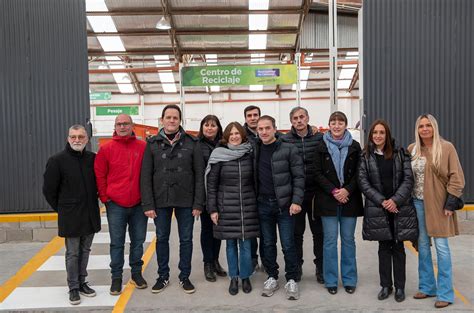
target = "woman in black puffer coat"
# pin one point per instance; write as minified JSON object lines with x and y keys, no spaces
{"x":386,"y":179}
{"x":210,"y":132}
{"x":232,"y":202}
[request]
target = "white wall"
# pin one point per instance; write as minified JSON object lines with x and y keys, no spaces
{"x":229,"y":107}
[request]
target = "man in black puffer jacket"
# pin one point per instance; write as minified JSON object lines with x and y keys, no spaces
{"x":306,"y":139}
{"x":280,"y":185}
{"x":70,"y":188}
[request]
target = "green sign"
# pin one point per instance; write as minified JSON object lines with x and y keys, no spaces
{"x":132,"y":110}
{"x":100,"y":95}
{"x":239,"y":75}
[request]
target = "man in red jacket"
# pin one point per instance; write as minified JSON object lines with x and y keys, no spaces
{"x":117,"y":169}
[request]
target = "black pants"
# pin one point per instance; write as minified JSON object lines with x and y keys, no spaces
{"x":77,"y":257}
{"x":391,"y":251}
{"x":316,"y":227}
{"x":210,"y":246}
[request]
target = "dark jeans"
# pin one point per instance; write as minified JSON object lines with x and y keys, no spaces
{"x":316,"y":226}
{"x":392,"y":251}
{"x":270,"y":216}
{"x":118,"y":218}
{"x":77,"y":257}
{"x":185,"y":219}
{"x":210,"y":246}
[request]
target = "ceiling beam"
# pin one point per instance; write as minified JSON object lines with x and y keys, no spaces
{"x":201,"y":32}
{"x":197,"y":11}
{"x":305,"y":8}
{"x":213,"y":50}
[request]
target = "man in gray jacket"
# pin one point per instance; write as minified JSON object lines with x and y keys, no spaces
{"x":172,"y":180}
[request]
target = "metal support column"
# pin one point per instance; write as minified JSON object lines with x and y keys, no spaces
{"x":142,"y":108}
{"x":181,"y":96}
{"x":332,"y":4}
{"x":298,"y":78}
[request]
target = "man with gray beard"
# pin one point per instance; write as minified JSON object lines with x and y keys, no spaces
{"x":70,"y":188}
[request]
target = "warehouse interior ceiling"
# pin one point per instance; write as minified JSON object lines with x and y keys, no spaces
{"x":128,"y":54}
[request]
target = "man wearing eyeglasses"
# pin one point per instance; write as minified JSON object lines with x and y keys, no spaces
{"x":117,"y":169}
{"x":69,"y":187}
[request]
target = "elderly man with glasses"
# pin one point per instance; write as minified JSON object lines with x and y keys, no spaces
{"x":117,"y":169}
{"x":69,"y":187}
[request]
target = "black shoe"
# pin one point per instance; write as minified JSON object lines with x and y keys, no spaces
{"x":384,"y":293}
{"x":187,"y":286}
{"x":160,"y":285}
{"x":319,"y":277}
{"x":350,"y":289}
{"x":139,"y":281}
{"x":209,"y":272}
{"x":116,"y":287}
{"x":74,"y":297}
{"x":399,"y":295}
{"x":219,"y":270}
{"x":332,"y":290}
{"x":234,"y":286}
{"x":87,"y":291}
{"x":246,"y":285}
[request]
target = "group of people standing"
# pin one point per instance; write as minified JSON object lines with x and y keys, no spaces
{"x":248,"y":181}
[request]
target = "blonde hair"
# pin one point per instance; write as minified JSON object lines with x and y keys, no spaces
{"x":436,"y":151}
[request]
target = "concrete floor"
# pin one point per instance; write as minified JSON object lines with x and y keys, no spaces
{"x":46,"y":289}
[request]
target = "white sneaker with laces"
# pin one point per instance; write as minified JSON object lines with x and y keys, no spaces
{"x":269,"y":287}
{"x":292,"y":290}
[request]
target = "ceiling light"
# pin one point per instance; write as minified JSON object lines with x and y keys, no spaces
{"x":164,"y":23}
{"x":257,"y":41}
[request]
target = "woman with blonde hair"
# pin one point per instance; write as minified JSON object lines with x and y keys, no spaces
{"x":439,"y":184}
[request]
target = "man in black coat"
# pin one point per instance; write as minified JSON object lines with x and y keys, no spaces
{"x":172,"y":179}
{"x":70,"y":188}
{"x":280,"y":185}
{"x":306,"y":138}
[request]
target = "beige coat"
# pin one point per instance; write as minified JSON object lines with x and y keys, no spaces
{"x":435,"y":191}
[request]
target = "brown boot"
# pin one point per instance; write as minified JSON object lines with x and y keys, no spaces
{"x":441,"y":304}
{"x":420,"y":295}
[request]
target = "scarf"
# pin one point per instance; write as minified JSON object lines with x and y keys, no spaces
{"x":221,"y":154}
{"x":338,"y":150}
{"x":175,"y":139}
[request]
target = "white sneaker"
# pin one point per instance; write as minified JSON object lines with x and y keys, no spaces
{"x":269,"y":287}
{"x":292,"y":290}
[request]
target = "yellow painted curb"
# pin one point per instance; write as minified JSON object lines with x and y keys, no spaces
{"x":468,"y":207}
{"x":456,"y":292}
{"x":28,"y":217}
{"x":130,"y":288}
{"x":30,"y":267}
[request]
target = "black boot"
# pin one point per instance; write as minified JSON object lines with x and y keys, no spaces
{"x":219,"y":270}
{"x":209,"y":272}
{"x":234,"y":286}
{"x":399,"y":295}
{"x":246,"y":285}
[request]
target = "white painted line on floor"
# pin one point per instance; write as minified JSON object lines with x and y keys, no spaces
{"x":54,"y":297}
{"x":96,"y":262}
{"x":104,"y":237}
{"x":103,"y":220}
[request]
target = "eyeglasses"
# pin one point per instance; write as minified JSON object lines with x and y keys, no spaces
{"x":126,"y":124}
{"x":80,"y":137}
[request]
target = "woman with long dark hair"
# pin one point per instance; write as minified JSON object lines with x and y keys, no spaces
{"x":210,"y":133}
{"x":386,"y":180}
{"x":232,"y":202}
{"x":439,"y":184}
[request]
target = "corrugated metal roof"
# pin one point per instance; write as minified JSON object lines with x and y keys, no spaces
{"x":315,"y":32}
{"x":211,"y":21}
{"x":150,"y":42}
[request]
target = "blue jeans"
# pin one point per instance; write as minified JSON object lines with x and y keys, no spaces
{"x":185,"y":219}
{"x":270,"y":216}
{"x":239,"y":267}
{"x":332,"y":226}
{"x":118,"y":218}
{"x":427,"y":283}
